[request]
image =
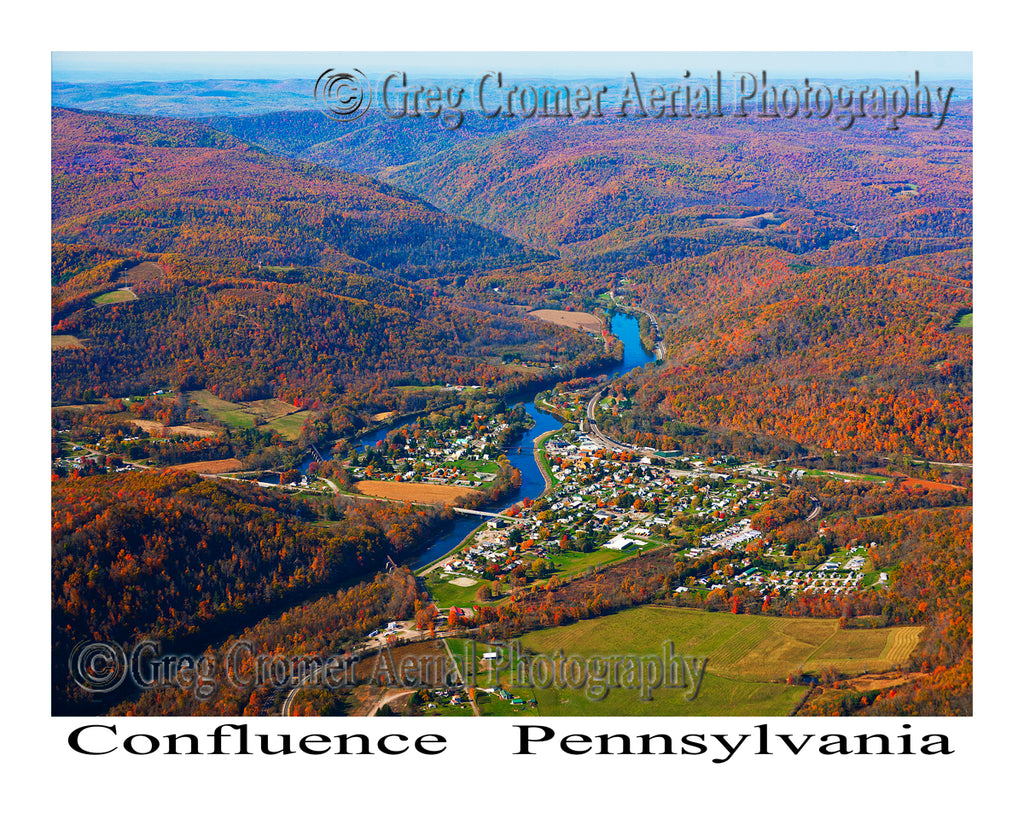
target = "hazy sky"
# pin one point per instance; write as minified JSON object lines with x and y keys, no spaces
{"x":167,"y":65}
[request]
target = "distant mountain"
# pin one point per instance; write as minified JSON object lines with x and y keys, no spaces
{"x":267,"y":276}
{"x":371,"y":144}
{"x":581,"y":187}
{"x":185,"y":98}
{"x":159,"y":185}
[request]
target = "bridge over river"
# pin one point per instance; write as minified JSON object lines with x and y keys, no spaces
{"x":481,"y":514}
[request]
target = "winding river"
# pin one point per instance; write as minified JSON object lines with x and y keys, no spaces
{"x":521,"y":452}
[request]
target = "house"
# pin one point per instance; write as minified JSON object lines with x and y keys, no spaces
{"x":619,"y":542}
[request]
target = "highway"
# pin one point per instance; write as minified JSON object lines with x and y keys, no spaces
{"x":286,"y":709}
{"x":589,"y":425}
{"x":593,"y":430}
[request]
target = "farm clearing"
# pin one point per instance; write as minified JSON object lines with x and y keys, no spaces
{"x":749,"y":657}
{"x":414,"y":492}
{"x":587,"y":322}
{"x":115,"y":297}
{"x":269,"y":413}
{"x":210,"y":467}
{"x":65,"y":342}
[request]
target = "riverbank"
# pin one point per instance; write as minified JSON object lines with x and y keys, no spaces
{"x":461,"y":545}
{"x":543,"y":463}
{"x":543,"y":466}
{"x":528,"y":455}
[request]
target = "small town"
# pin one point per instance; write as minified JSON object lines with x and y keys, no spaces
{"x":459,"y":449}
{"x":603,"y":506}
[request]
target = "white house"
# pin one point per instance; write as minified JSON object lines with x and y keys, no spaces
{"x":619,"y":542}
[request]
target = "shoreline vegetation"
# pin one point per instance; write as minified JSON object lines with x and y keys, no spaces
{"x":391,"y":304}
{"x":540,"y":459}
{"x":545,"y":471}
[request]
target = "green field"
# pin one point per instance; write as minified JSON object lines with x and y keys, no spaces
{"x":718,"y":696}
{"x":115,"y":297}
{"x":749,"y":658}
{"x":459,"y":646}
{"x":274,"y":414}
{"x":226,"y":412}
{"x":289,"y":426}
{"x":447,"y":594}
{"x":491,"y":705}
{"x":847,"y":476}
{"x":541,"y":456}
{"x":475,"y":466}
{"x":569,"y":563}
{"x":966,"y":320}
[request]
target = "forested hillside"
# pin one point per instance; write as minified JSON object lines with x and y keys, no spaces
{"x":829,"y":323}
{"x":577,"y":185}
{"x":159,"y":185}
{"x":303,"y":335}
{"x":165,"y":555}
{"x":229,"y":295}
{"x":834,"y":357}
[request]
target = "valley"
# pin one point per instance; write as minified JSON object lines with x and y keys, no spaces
{"x":344,"y":389}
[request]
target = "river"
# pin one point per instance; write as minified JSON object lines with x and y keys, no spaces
{"x":521,"y":452}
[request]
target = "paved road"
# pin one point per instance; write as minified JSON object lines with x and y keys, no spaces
{"x":286,"y":709}
{"x":481,"y":514}
{"x":594,"y":431}
{"x":934,"y":463}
